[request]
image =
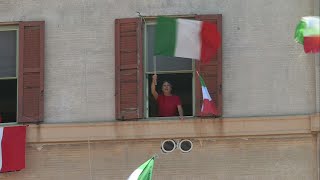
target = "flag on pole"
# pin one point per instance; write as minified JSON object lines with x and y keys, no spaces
{"x":308,"y":33}
{"x":186,"y":38}
{"x":12,"y":149}
{"x":208,"y":106}
{"x":144,"y":172}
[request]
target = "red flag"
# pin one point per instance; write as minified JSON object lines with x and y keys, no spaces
{"x":312,"y":44}
{"x":12,"y":149}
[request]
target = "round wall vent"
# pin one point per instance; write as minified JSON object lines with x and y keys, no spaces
{"x":168,"y":146}
{"x":185,"y":145}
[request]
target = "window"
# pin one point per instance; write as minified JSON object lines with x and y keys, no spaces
{"x":178,"y":71}
{"x":21,"y":71}
{"x":8,"y":73}
{"x":134,"y":68}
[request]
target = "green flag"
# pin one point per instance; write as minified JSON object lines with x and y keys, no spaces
{"x":143,"y":172}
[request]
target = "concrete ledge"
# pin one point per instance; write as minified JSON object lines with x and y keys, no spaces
{"x":191,"y":128}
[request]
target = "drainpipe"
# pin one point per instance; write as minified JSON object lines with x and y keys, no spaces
{"x":317,"y":76}
{"x":317,"y":62}
{"x":318,"y":154}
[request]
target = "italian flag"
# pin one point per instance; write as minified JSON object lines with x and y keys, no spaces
{"x":12,"y":149}
{"x":308,"y":33}
{"x":144,"y":172}
{"x":208,"y":106}
{"x":186,"y":38}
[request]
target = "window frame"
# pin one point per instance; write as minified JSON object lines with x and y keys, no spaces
{"x":16,"y":29}
{"x":130,"y":77}
{"x":146,"y":73}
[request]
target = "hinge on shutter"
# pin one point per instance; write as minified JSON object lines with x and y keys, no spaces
{"x":220,"y":88}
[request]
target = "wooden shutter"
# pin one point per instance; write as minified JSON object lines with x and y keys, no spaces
{"x":211,"y":72}
{"x":31,"y":72}
{"x":129,"y":69}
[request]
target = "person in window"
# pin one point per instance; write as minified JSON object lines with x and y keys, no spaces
{"x":168,"y":104}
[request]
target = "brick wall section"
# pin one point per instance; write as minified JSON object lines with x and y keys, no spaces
{"x":263,"y":158}
{"x":264,"y":71}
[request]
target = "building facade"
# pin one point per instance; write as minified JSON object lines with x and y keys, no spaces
{"x":269,"y":125}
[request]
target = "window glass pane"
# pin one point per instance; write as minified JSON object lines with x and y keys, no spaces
{"x":8,"y":53}
{"x":163,"y":63}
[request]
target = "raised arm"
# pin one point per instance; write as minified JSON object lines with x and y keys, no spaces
{"x":153,"y":87}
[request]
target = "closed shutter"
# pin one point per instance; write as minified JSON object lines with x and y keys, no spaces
{"x":31,"y":72}
{"x":211,"y":72}
{"x":128,"y":69}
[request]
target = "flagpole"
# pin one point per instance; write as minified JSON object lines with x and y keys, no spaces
{"x":155,"y":66}
{"x":200,"y":101}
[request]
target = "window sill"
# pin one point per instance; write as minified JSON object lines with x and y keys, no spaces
{"x":188,"y":128}
{"x":173,"y":118}
{"x":8,"y":124}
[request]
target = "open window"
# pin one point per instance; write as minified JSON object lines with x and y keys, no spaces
{"x":8,"y":73}
{"x":134,"y":39}
{"x":21,"y":71}
{"x":178,"y":71}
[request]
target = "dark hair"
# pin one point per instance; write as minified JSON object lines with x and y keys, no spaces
{"x":166,"y":81}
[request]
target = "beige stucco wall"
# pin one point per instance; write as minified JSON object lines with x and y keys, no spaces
{"x":284,"y":148}
{"x":264,"y":71}
{"x":238,"y":158}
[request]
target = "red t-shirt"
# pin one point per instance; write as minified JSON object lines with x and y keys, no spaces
{"x":167,"y":105}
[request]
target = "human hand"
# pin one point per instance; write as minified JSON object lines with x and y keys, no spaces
{"x":154,"y":78}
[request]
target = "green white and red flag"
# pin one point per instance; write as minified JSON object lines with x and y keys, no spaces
{"x":144,"y":171}
{"x":308,"y":33}
{"x":208,"y":106}
{"x":186,"y":38}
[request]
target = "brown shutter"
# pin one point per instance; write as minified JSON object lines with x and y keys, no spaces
{"x":129,"y":69}
{"x":211,"y":72}
{"x":31,"y":69}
